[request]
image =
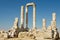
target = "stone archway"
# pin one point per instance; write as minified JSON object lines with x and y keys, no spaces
{"x":34,"y":14}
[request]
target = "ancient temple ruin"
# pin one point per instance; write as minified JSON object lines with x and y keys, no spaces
{"x":36,"y":34}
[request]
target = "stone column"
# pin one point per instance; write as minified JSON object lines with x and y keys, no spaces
{"x":54,"y":16}
{"x":53,"y":21}
{"x":34,"y":16}
{"x":53,"y":24}
{"x":22,"y":17}
{"x":44,"y":25}
{"x":15,"y":26}
{"x":26,"y":16}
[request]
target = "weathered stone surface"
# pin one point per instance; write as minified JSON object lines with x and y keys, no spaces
{"x":13,"y":32}
{"x":15,"y":26}
{"x":22,"y":34}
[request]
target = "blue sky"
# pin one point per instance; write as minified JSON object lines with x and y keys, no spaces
{"x":9,"y":9}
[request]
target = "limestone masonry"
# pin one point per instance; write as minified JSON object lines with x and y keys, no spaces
{"x":24,"y":33}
